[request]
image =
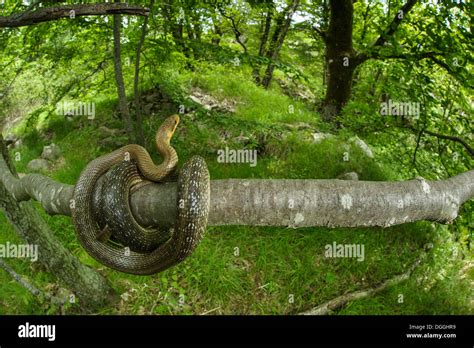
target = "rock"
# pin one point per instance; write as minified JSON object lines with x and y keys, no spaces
{"x":107,"y":132}
{"x":296,"y":91}
{"x":298,"y":126}
{"x":10,"y":139}
{"x":363,"y":146}
{"x":51,"y":152}
{"x":242,"y":139}
{"x":147,"y":108}
{"x":38,"y":165}
{"x":208,"y":102}
{"x":17,"y":144}
{"x":195,"y":99}
{"x":318,"y":137}
{"x":349,"y":176}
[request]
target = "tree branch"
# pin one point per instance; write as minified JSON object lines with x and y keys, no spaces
{"x":291,"y":203}
{"x":235,"y":29}
{"x":31,"y":288}
{"x":392,"y":28}
{"x":136,"y":81}
{"x":322,"y":34}
{"x":459,"y":140}
{"x":47,"y":14}
{"x":366,"y":14}
{"x":363,"y":56}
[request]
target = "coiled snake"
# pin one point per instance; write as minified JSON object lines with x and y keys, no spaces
{"x":192,"y":204}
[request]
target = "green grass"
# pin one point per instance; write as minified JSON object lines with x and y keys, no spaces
{"x":253,"y":102}
{"x":276,"y":270}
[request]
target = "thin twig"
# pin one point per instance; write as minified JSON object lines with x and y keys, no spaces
{"x":211,"y":310}
{"x":31,"y":288}
{"x":342,"y":300}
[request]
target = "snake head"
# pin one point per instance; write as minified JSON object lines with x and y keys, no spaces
{"x":168,"y":127}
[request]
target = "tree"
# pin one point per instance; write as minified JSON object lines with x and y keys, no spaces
{"x":271,"y":49}
{"x":138,"y":107}
{"x":122,"y":96}
{"x":342,"y":59}
{"x":282,"y":26}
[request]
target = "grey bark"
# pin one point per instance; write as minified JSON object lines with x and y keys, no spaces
{"x":87,"y":285}
{"x":58,"y":12}
{"x":291,"y":203}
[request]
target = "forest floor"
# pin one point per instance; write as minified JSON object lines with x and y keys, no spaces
{"x":251,"y":270}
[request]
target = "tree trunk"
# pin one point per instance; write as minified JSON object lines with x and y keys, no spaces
{"x":174,"y":26}
{"x":140,"y":137}
{"x":90,"y":288}
{"x":265,"y":32}
{"x":339,"y":58}
{"x":217,"y":33}
{"x":195,"y":20}
{"x":122,"y":97}
{"x":283,"y":25}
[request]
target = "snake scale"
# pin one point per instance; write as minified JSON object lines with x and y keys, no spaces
{"x":174,"y":245}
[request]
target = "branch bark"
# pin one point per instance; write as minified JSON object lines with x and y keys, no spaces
{"x":68,"y":11}
{"x":291,"y":203}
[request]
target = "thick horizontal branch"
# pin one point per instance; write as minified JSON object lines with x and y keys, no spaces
{"x":47,"y":14}
{"x":292,"y":203}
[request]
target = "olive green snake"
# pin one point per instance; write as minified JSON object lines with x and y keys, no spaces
{"x":140,"y":250}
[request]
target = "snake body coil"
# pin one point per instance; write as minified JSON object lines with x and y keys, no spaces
{"x":115,"y":213}
{"x":193,"y":206}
